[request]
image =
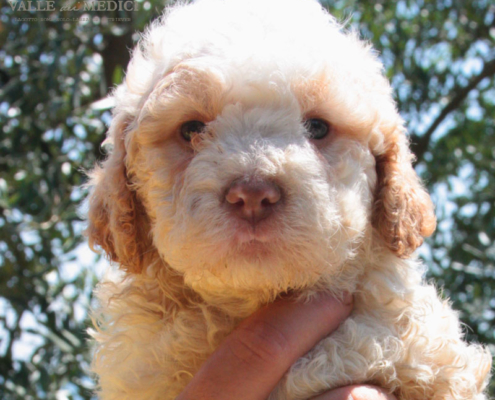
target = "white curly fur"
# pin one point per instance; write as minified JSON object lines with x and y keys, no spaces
{"x":353,"y":209}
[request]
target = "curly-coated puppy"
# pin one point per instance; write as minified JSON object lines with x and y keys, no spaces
{"x":256,"y":150}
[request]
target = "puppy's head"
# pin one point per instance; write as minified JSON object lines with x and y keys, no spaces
{"x":255,"y":146}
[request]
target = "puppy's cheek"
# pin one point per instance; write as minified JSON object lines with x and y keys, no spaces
{"x":354,"y":218}
{"x":190,"y":229}
{"x":352,"y":173}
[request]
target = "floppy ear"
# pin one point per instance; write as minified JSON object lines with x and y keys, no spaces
{"x":117,"y":221}
{"x":403,"y":212}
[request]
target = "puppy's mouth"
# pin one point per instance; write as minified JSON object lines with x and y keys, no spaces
{"x":252,"y":233}
{"x":255,"y":242}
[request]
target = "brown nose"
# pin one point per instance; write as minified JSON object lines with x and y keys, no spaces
{"x":253,"y":200}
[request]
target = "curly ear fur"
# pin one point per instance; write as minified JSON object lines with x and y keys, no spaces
{"x":403,"y":212}
{"x":117,"y":221}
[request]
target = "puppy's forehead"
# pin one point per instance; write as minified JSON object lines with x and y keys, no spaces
{"x":208,"y":89}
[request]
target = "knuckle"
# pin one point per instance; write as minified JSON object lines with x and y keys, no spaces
{"x":260,"y":342}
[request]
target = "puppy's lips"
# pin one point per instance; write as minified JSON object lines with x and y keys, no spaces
{"x":251,"y":236}
{"x":246,"y":233}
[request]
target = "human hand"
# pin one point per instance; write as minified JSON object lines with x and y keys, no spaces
{"x":255,"y":356}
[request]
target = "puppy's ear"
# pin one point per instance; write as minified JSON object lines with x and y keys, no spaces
{"x":117,"y":221}
{"x":403,"y":212}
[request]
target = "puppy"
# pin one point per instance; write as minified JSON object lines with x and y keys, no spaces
{"x":256,"y":149}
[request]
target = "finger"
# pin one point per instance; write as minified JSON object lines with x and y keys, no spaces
{"x":252,"y":360}
{"x":356,"y":392}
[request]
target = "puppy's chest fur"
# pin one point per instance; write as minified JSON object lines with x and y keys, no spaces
{"x":401,"y":336}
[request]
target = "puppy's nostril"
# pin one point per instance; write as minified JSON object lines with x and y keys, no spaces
{"x":272,"y":195}
{"x":234,"y":196}
{"x":266,"y":202}
{"x":239,"y":203}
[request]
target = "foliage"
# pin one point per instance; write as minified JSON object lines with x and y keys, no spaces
{"x":439,"y":55}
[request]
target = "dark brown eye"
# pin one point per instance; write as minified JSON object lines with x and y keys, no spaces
{"x":317,"y":128}
{"x":190,"y":128}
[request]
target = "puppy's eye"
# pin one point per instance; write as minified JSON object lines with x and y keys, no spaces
{"x":317,"y":128}
{"x":190,"y":128}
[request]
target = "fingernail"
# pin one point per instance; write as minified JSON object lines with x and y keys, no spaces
{"x":347,"y":298}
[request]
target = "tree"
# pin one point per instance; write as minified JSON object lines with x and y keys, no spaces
{"x":438,"y":54}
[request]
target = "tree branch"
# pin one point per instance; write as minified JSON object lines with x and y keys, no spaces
{"x":420,"y":144}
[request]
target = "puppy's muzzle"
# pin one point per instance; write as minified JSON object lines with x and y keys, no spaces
{"x":253,"y":200}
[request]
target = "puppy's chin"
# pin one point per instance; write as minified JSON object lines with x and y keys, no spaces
{"x":248,"y":262}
